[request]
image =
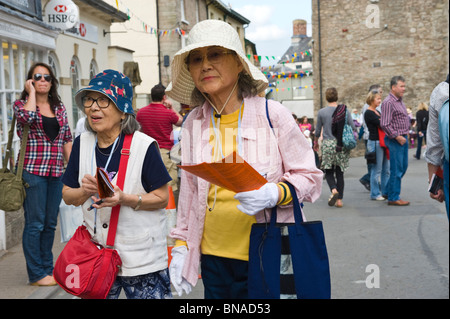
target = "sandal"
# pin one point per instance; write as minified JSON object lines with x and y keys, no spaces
{"x":339,"y":205}
{"x":332,"y":199}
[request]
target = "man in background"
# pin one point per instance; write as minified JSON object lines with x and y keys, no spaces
{"x":157,"y":120}
{"x":395,"y":123}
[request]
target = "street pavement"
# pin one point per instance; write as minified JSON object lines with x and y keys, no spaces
{"x":376,"y":251}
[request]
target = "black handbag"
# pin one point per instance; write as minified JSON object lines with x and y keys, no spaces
{"x":12,"y":186}
{"x":288,"y":260}
{"x":371,"y":157}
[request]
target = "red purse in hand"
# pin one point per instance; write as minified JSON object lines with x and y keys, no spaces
{"x":84,"y":268}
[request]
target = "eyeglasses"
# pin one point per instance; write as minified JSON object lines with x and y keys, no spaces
{"x":102,"y":102}
{"x":214,"y":56}
{"x":39,"y":76}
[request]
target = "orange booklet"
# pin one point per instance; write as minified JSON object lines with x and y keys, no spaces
{"x":232,"y":173}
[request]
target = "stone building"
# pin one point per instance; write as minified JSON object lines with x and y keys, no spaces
{"x":291,"y":80}
{"x":359,"y":43}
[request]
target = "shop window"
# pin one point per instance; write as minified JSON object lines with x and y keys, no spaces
{"x":53,"y":63}
{"x":75,"y":74}
{"x":93,"y":69}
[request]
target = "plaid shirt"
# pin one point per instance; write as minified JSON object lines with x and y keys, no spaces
{"x":394,"y":117}
{"x":43,"y":157}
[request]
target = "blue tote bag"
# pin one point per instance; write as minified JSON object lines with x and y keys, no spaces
{"x":288,"y":261}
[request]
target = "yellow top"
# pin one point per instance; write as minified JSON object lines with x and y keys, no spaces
{"x":227,"y":230}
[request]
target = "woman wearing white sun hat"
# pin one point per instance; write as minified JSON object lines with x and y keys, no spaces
{"x":214,"y":224}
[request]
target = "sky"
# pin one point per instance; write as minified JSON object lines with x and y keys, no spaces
{"x":271,"y":23}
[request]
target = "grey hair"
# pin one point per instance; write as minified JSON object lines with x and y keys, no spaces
{"x":127,"y":126}
{"x":397,"y":79}
{"x":247,"y":87}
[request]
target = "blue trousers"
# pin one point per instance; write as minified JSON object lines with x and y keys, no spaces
{"x":379,"y":172}
{"x":224,"y":278}
{"x":41,"y":208}
{"x":446,"y":184}
{"x":398,"y":166}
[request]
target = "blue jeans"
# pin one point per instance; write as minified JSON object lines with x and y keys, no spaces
{"x":41,"y":208}
{"x":379,"y":172}
{"x":399,"y":164}
{"x":420,"y":139}
{"x":446,"y":184}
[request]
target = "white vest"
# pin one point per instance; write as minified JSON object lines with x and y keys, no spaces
{"x":141,"y":236}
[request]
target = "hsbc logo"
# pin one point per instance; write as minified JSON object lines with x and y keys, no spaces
{"x":62,"y":14}
{"x":60,"y":8}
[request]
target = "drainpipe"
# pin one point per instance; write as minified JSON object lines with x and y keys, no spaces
{"x":159,"y":44}
{"x":320,"y":55}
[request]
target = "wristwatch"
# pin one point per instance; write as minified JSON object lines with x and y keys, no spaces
{"x":138,"y":203}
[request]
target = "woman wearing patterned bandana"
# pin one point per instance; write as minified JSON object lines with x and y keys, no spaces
{"x":140,"y":238}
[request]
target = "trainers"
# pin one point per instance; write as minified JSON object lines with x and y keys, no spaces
{"x":379,"y":198}
{"x":366,"y":184}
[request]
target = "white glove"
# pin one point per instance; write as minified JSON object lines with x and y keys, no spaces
{"x":253,"y":202}
{"x":176,"y":268}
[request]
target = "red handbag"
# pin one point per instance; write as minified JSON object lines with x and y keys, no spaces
{"x":86,"y":269}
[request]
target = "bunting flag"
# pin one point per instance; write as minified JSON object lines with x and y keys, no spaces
{"x":287,"y":59}
{"x":287,"y":75}
{"x":146,"y":28}
{"x":293,"y":88}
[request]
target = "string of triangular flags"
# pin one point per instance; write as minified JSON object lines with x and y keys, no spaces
{"x":289,"y":59}
{"x":145,"y":27}
{"x":287,"y":75}
{"x":289,"y":89}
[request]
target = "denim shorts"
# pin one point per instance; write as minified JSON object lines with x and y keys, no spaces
{"x":150,"y":286}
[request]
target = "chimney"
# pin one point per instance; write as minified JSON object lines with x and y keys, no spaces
{"x":299,"y":27}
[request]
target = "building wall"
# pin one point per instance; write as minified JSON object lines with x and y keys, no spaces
{"x":356,"y":52}
{"x":177,"y":13}
{"x":144,"y":44}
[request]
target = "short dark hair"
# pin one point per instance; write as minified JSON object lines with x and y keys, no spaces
{"x":158,"y":92}
{"x":331,"y":94}
{"x":397,"y":79}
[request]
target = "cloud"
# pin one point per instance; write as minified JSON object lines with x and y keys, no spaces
{"x":266,"y":33}
{"x":261,"y":27}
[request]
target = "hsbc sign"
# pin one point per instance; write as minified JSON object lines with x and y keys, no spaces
{"x":62,"y":14}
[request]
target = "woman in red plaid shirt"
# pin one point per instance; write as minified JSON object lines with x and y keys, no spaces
{"x":49,"y":144}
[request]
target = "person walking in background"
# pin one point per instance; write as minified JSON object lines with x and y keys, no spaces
{"x":157,"y":120}
{"x":376,"y":155}
{"x":49,"y":144}
{"x":434,"y":156}
{"x":422,"y":124}
{"x":365,"y":180}
{"x":395,"y":121}
{"x":304,"y":124}
{"x":334,"y":158}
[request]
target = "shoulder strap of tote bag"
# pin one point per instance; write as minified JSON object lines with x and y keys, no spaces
{"x":120,"y":182}
{"x":297,"y":210}
{"x":23,"y":147}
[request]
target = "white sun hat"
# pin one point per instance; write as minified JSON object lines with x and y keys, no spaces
{"x":204,"y":34}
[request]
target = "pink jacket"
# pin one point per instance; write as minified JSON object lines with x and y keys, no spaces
{"x":282,"y":154}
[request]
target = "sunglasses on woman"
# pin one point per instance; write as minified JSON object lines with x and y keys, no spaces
{"x":214,"y":55}
{"x":38,"y":77}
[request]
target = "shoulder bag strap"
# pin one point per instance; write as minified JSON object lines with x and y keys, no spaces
{"x":120,"y":182}
{"x":23,"y":147}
